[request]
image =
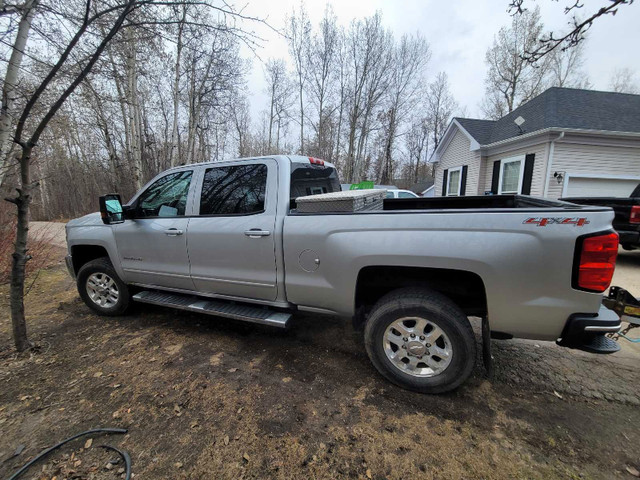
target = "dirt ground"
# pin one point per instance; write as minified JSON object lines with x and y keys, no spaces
{"x":207,"y":398}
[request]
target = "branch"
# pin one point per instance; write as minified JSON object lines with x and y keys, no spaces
{"x":52,"y":73}
{"x":549,"y":43}
{"x":85,"y":71}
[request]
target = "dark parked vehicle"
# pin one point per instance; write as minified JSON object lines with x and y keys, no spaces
{"x":627,"y":219}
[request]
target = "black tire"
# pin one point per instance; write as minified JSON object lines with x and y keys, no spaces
{"x":436,"y":309}
{"x":103,"y":265}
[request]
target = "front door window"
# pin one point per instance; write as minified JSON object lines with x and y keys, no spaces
{"x":166,"y":197}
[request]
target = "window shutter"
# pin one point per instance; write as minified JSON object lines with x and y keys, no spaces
{"x":445,"y":174}
{"x":528,"y":173}
{"x":463,"y":181}
{"x":496,"y":177}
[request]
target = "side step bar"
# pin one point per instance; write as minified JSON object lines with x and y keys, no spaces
{"x":219,"y":308}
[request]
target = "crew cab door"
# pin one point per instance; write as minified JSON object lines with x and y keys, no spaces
{"x":152,"y":243}
{"x":231,"y":239}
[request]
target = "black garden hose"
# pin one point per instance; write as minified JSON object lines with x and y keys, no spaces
{"x":58,"y":445}
{"x":125,"y":456}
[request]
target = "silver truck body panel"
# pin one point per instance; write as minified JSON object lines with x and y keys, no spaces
{"x":313,"y":262}
{"x":526,"y":269}
{"x":218,"y":268}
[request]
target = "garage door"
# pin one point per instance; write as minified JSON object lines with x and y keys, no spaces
{"x":599,"y":187}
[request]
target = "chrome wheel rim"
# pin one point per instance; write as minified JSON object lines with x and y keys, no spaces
{"x":102,"y":290}
{"x":417,"y":347}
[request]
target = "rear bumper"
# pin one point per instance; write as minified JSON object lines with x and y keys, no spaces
{"x":69,"y":262}
{"x":581,"y":328}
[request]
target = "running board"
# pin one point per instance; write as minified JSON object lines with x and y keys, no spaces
{"x":219,"y":308}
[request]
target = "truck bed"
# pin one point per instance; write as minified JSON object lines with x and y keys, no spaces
{"x":482,"y":202}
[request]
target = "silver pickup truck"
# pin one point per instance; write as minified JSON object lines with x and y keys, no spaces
{"x":227,"y":239}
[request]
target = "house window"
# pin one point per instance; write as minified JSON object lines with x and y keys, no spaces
{"x":511,"y":175}
{"x":454,"y":181}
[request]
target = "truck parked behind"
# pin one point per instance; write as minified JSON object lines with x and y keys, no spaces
{"x":627,"y":215}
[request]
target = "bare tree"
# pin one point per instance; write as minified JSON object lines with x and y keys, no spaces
{"x":440,"y":107}
{"x":565,"y":68}
{"x":549,"y":42}
{"x":417,"y":145}
{"x":408,"y":62}
{"x":279,"y":89}
{"x":511,"y":80}
{"x":298,"y":35}
{"x":368,"y":54}
{"x":623,"y":80}
{"x":323,"y":73}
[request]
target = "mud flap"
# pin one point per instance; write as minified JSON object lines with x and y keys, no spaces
{"x":487,"y":359}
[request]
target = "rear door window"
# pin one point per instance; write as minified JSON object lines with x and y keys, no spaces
{"x":234,"y":190}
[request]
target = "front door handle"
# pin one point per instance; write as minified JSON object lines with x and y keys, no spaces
{"x":257,"y":233}
{"x":173,"y":232}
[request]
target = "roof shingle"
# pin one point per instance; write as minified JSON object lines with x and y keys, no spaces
{"x":562,"y":108}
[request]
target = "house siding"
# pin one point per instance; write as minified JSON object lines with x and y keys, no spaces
{"x":539,"y":166}
{"x":457,"y":154}
{"x":589,"y":159}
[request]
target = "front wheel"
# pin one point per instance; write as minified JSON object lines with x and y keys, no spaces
{"x":101,"y":288}
{"x":420,"y":340}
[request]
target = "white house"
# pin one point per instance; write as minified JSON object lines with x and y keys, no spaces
{"x":564,"y":142}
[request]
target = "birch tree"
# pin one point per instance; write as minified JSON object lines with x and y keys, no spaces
{"x":298,"y":35}
{"x":24,"y":13}
{"x":279,"y":90}
{"x":323,"y":72}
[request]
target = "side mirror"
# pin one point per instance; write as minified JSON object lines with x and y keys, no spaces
{"x":111,"y":208}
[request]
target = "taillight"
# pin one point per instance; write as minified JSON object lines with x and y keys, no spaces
{"x":635,"y":214}
{"x":597,"y":262}
{"x":315,"y":161}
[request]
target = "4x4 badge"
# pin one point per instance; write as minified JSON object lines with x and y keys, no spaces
{"x":544,"y":221}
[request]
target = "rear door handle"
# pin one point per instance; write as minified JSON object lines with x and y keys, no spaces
{"x":173,"y":232}
{"x":257,"y":233}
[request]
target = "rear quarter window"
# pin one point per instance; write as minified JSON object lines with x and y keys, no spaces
{"x":307,"y":179}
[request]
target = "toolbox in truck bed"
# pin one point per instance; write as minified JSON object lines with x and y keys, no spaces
{"x":349,"y":201}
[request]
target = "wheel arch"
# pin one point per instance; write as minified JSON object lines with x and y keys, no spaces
{"x":82,"y":254}
{"x":466,"y":289}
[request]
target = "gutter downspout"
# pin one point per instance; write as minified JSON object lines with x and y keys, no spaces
{"x":550,"y":163}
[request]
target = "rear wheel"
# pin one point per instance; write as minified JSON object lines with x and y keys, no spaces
{"x":420,"y":340}
{"x":101,"y":288}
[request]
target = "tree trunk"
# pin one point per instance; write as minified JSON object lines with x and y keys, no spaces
{"x":301,"y":119}
{"x":173,"y":156}
{"x":134,"y":114}
{"x":20,"y":256}
{"x":271,"y":118}
{"x":10,"y":81}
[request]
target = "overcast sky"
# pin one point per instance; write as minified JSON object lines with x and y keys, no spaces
{"x":459,"y":33}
